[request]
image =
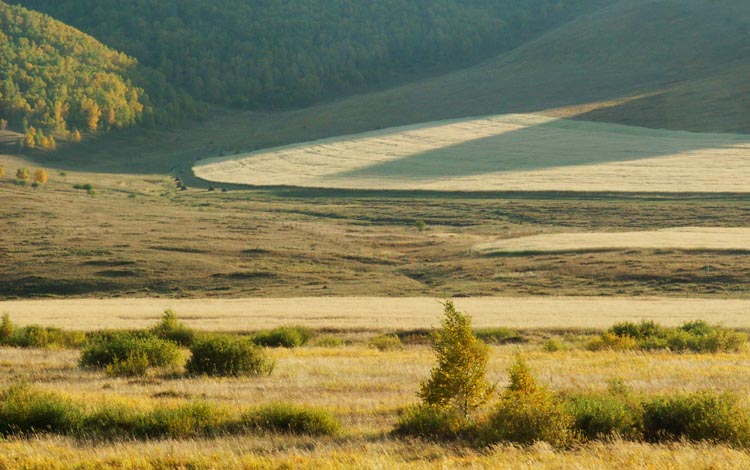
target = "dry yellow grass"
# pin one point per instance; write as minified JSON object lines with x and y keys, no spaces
{"x":682,"y":238}
{"x":374,"y":313}
{"x":365,"y":389}
{"x":497,"y":153}
{"x":273,"y":453}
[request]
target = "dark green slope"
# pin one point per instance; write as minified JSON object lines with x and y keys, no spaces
{"x":293,"y":52}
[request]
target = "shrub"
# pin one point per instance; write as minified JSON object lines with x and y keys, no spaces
{"x":170,"y":328}
{"x":24,"y":410}
{"x":696,"y":336}
{"x":459,"y":378}
{"x":527,"y":413}
{"x":35,"y":336}
{"x":645,"y":329}
{"x":499,"y":335}
{"x":228,"y":356}
{"x":283,"y":337}
{"x":7,"y":329}
{"x":703,"y":416}
{"x":191,"y":420}
{"x":595,"y":417}
{"x":121,"y":351}
{"x":135,"y":364}
{"x":291,"y":419}
{"x":553,"y":345}
{"x":83,"y":186}
{"x":429,"y":422}
{"x":613,"y":342}
{"x":385,"y":343}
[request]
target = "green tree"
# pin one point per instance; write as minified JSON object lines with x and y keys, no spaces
{"x":458,"y":379}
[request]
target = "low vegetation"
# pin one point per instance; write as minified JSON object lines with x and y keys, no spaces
{"x":129,"y":353}
{"x":695,"y":336}
{"x":228,"y":356}
{"x":283,"y":337}
{"x":26,"y":411}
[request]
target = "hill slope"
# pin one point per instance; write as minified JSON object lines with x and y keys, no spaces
{"x":670,"y":64}
{"x":57,"y":78}
{"x":293,"y":52}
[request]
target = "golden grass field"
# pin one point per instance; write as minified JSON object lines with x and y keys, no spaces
{"x":365,"y":389}
{"x":681,"y":238}
{"x":374,"y":313}
{"x":500,"y":153}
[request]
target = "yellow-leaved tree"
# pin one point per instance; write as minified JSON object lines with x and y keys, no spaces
{"x":458,"y":380}
{"x":40,"y":176}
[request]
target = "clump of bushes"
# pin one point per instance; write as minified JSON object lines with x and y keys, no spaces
{"x":25,"y":410}
{"x":702,"y":416}
{"x":228,"y":356}
{"x":129,"y":353}
{"x":34,"y":336}
{"x":283,"y":337}
{"x":432,"y":423}
{"x":171,"y":329}
{"x":695,"y":336}
{"x":601,"y":416}
{"x":284,"y":418}
{"x":526,"y":413}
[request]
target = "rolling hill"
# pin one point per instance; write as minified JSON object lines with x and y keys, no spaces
{"x":664,"y":64}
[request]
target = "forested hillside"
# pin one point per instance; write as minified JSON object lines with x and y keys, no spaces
{"x":58,"y":79}
{"x":290,"y":53}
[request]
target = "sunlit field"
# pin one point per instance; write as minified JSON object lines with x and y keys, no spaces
{"x":500,"y":153}
{"x":683,"y":238}
{"x":374,"y":313}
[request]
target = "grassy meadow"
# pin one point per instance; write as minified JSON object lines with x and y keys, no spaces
{"x":365,"y":388}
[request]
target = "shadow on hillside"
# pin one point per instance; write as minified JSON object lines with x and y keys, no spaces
{"x":552,"y":144}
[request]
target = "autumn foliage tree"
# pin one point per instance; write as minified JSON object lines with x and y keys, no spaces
{"x":40,"y":176}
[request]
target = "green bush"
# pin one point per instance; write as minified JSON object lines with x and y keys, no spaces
{"x":291,"y":419}
{"x":527,"y":413}
{"x":7,"y":329}
{"x":703,"y":416}
{"x":135,"y":364}
{"x":598,"y":416}
{"x":385,"y":343}
{"x":34,"y":336}
{"x":120,"y":350}
{"x":170,"y":328}
{"x":228,"y":356}
{"x":24,"y":411}
{"x":283,"y":337}
{"x":191,"y":420}
{"x":432,"y":423}
{"x":645,"y":329}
